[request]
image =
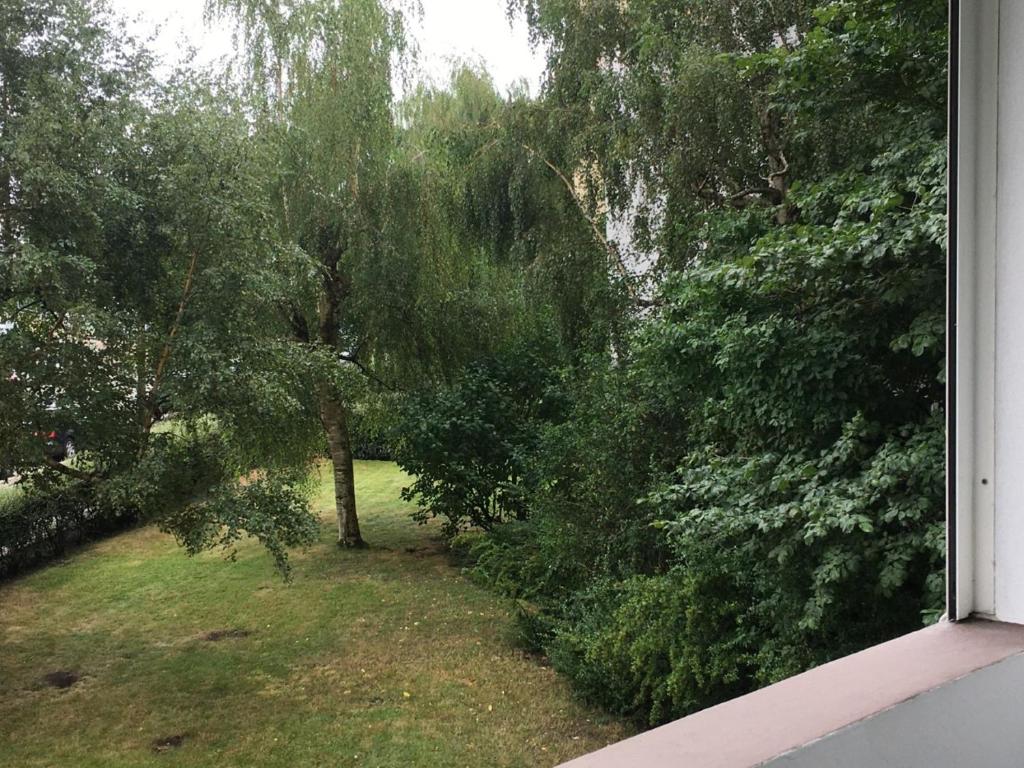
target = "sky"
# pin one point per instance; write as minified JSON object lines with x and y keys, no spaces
{"x":474,"y":30}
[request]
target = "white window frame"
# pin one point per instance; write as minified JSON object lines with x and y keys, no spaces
{"x":973,"y":131}
{"x":986,"y":312}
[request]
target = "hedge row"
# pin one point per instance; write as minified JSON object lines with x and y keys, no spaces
{"x":37,"y":526}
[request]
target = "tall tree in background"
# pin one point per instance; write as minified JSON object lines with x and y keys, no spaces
{"x":646,"y":94}
{"x":376,"y":269}
{"x":515,"y":203}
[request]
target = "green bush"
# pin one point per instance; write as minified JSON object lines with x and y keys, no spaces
{"x":463,"y":548}
{"x":831,"y":552}
{"x":588,"y":473}
{"x":467,"y":444}
{"x":648,"y":648}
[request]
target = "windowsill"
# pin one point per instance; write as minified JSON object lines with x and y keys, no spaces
{"x":763,"y":725}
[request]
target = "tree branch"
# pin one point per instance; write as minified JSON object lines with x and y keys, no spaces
{"x":351,"y":359}
{"x":766,"y":192}
{"x":64,"y":469}
{"x":610,"y":248}
{"x":782,"y":171}
{"x":25,"y":307}
{"x":165,"y":353}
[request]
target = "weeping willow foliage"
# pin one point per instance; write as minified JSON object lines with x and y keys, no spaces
{"x":386,"y":286}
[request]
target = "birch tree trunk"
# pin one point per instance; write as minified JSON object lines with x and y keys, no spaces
{"x":335,"y":421}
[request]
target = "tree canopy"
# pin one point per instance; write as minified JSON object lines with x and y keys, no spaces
{"x":139,"y":280}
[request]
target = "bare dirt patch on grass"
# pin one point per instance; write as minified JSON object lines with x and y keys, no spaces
{"x":227,"y":634}
{"x":61,"y":678}
{"x":167,"y":743}
{"x":432,"y":548}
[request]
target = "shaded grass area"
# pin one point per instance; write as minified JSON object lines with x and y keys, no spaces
{"x":386,"y":657}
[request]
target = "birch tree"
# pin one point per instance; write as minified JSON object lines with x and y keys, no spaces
{"x":376,"y":268}
{"x":135,"y":265}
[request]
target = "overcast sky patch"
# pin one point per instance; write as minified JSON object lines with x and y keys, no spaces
{"x":478,"y":31}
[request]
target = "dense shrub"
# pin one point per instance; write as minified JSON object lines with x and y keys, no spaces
{"x":467,"y":444}
{"x":758,"y":487}
{"x":647,"y":646}
{"x":754,"y":483}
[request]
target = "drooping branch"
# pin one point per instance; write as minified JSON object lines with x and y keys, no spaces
{"x":599,"y":236}
{"x":25,"y":308}
{"x":353,"y":360}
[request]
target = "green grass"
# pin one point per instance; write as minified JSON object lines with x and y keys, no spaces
{"x":384,"y":657}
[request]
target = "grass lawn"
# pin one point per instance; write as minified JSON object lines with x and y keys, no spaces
{"x":385,"y":657}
